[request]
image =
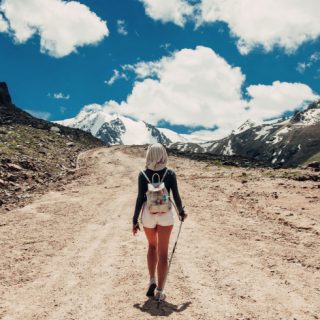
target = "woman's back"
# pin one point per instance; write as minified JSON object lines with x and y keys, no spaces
{"x":168,"y":179}
{"x":170,"y":182}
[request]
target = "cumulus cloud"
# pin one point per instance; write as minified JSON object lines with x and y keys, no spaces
{"x":270,"y":101}
{"x":285,"y":23}
{"x":175,"y":11}
{"x":191,"y":87}
{"x":121,"y":27}
{"x":62,"y":26}
{"x":197,"y":87}
{"x":253,"y":23}
{"x":117,"y":75}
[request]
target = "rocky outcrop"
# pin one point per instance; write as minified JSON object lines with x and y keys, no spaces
{"x":111,"y":132}
{"x":12,"y":115}
{"x":5,"y":99}
{"x":157,"y":135}
{"x":35,"y":154}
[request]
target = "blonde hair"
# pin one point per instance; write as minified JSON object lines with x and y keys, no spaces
{"x":157,"y":157}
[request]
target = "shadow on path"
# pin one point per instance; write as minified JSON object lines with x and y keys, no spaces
{"x":165,"y":309}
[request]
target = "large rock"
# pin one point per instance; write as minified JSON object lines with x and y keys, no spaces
{"x":314,"y":165}
{"x":5,"y":98}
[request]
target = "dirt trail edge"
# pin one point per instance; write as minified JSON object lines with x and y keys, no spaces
{"x":244,"y":252}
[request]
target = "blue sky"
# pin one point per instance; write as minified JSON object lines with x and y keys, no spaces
{"x":149,"y":33}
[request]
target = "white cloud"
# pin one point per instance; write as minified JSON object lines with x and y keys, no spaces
{"x":314,"y":58}
{"x":39,"y":114}
{"x":116,"y":76}
{"x":269,"y":101}
{"x":266,"y":23}
{"x":302,"y":66}
{"x":62,"y":26}
{"x":165,"y":46}
{"x":61,"y":96}
{"x":175,"y":11}
{"x":199,"y":88}
{"x":254,"y":23}
{"x":192,"y":87}
{"x":3,"y":24}
{"x":144,"y":69}
{"x":121,"y":27}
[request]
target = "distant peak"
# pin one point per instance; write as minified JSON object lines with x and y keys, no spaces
{"x":245,"y":126}
{"x":91,"y":108}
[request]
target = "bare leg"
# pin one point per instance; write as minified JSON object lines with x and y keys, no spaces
{"x":163,"y":244}
{"x":151,"y":234}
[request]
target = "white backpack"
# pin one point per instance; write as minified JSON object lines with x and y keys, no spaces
{"x":158,"y":200}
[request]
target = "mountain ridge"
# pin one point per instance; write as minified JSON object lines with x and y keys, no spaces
{"x":284,"y":143}
{"x":113,"y":128}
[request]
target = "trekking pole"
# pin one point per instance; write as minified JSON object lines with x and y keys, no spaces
{"x":170,"y":260}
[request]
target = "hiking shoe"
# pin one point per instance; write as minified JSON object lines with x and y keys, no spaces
{"x":152,"y":287}
{"x":159,"y":296}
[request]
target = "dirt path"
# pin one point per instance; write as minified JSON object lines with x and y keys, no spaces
{"x":245,"y":252}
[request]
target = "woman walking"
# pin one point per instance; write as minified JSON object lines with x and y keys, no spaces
{"x":157,"y":226}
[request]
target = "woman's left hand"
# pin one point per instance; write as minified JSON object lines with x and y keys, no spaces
{"x":135,"y":229}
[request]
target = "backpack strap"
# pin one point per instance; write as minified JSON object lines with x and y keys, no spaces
{"x":164,"y":175}
{"x":145,"y":176}
{"x":152,"y":176}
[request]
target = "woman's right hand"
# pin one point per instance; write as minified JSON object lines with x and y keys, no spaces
{"x":182,"y":215}
{"x":135,"y":228}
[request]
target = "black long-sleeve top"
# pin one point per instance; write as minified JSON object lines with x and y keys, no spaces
{"x":170,"y":181}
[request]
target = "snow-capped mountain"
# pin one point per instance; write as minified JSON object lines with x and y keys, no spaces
{"x":172,"y":135}
{"x":285,"y":143}
{"x":245,"y":126}
{"x":113,"y":128}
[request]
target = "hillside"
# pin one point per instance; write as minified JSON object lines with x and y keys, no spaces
{"x":286,"y":143}
{"x":34,"y":153}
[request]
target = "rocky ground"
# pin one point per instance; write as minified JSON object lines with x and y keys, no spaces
{"x":249,"y":248}
{"x":34,"y":160}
